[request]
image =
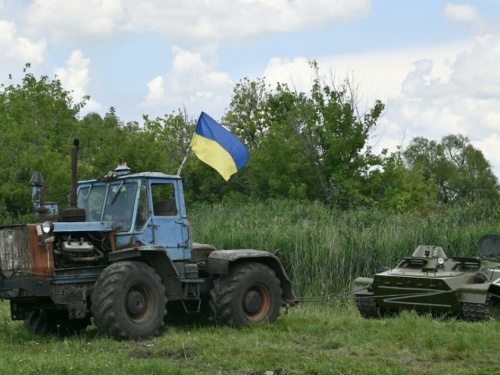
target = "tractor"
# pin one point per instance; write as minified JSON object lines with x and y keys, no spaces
{"x":120,"y":254}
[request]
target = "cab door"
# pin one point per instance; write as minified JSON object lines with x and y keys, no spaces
{"x":167,"y":224}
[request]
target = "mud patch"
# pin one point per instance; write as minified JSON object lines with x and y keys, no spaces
{"x":177,"y":353}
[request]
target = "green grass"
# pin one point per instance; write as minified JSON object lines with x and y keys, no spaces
{"x":311,"y":339}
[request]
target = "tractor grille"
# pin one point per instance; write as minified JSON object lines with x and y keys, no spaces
{"x":14,"y":250}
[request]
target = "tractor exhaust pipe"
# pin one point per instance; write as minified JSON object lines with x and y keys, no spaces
{"x":72,"y":213}
{"x":74,"y":177}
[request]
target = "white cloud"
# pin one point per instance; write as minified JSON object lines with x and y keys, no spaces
{"x":477,"y":70}
{"x":468,"y":16}
{"x":191,"y":83}
{"x":297,"y":72}
{"x":75,"y":77}
{"x":379,"y":74}
{"x":194,"y":21}
{"x":461,"y":13}
{"x":76,"y":20}
{"x":217,"y":20}
{"x":467,"y":103}
{"x":156,"y":94}
{"x":18,"y":48}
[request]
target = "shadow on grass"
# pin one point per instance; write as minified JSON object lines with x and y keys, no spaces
{"x":180,"y":319}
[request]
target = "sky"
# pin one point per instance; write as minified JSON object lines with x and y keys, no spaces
{"x":435,"y":64}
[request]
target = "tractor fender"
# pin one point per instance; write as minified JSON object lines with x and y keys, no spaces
{"x":157,"y":259}
{"x":220,"y":262}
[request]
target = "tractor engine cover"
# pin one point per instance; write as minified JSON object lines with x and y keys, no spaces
{"x":74,"y":246}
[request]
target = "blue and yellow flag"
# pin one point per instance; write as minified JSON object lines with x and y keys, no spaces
{"x":217,"y":147}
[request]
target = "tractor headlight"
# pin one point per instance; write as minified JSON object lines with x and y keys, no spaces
{"x":47,"y":227}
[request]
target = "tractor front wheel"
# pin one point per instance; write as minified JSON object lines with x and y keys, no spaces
{"x":250,"y":294}
{"x":128,"y":301}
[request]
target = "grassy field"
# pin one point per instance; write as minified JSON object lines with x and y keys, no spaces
{"x":311,"y":339}
{"x":323,"y":251}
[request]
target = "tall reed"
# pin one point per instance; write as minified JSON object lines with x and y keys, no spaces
{"x":323,"y":250}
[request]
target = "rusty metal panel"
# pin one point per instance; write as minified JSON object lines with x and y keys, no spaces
{"x":14,"y":250}
{"x":42,"y":258}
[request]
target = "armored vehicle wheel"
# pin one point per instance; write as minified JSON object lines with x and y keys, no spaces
{"x":57,"y":323}
{"x":128,"y":301}
{"x":367,"y":306}
{"x":250,"y":294}
{"x":476,"y":312}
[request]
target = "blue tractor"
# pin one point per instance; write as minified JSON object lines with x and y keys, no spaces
{"x":122,"y":253}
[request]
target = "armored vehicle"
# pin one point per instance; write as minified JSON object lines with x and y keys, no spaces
{"x":429,"y":281}
{"x":121,"y":253}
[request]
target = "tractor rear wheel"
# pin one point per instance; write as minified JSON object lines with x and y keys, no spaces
{"x":250,"y":294}
{"x":55,"y":323}
{"x":128,"y":301}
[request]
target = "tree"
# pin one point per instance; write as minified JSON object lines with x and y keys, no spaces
{"x":304,"y":145}
{"x":459,"y":169}
{"x":171,"y":136}
{"x":395,"y":187}
{"x":247,"y":117}
{"x":38,"y":121}
{"x":101,"y":144}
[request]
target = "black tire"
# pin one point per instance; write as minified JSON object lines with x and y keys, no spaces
{"x":55,"y":323}
{"x":128,"y":301}
{"x":367,"y":306}
{"x":250,"y":294}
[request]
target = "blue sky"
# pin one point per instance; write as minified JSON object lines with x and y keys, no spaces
{"x":434,"y":63}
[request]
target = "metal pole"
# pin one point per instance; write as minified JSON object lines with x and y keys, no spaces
{"x":74,"y":178}
{"x":184,"y":161}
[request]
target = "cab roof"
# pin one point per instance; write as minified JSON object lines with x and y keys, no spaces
{"x":133,"y":176}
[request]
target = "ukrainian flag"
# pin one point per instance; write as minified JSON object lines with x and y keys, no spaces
{"x":217,"y":147}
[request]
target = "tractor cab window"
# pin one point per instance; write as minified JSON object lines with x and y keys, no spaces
{"x":91,"y":198}
{"x":142,"y":209}
{"x":164,"y":200}
{"x":120,"y":202}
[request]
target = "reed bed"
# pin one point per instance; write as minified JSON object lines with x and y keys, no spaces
{"x":323,"y":250}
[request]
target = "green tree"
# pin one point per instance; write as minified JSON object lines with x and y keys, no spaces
{"x":304,"y":145}
{"x":38,"y":121}
{"x":101,"y":144}
{"x":159,"y":145}
{"x":170,"y":136}
{"x":247,"y":115}
{"x":395,"y":187}
{"x":459,"y":169}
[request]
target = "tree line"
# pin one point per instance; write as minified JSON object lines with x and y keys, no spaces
{"x":310,"y":146}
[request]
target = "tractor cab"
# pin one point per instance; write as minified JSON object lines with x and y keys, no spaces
{"x":146,"y":210}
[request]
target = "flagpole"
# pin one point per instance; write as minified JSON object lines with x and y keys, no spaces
{"x":184,"y":161}
{"x":187,"y":152}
